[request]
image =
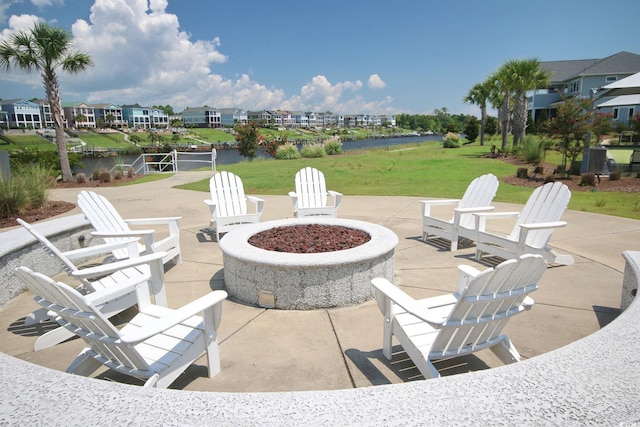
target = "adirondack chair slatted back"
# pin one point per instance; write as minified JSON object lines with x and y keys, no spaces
{"x":485,"y":306}
{"x":480,"y":192}
{"x":79,"y":316}
{"x":228,"y":192}
{"x":546,"y":204}
{"x":67,"y":266}
{"x":311,"y":188}
{"x":104,"y":218}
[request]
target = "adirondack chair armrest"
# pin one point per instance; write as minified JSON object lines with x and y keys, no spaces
{"x":426,"y":204}
{"x":337,"y":197}
{"x":106,"y":295}
{"x":544,"y":225}
{"x":525,"y":228}
{"x":146,"y":235}
{"x":153,"y":221}
{"x":99,"y":249}
{"x":258,"y":202}
{"x":458,"y":212}
{"x":481,"y":218}
{"x":191,"y":309}
{"x":104,"y":269}
{"x":132,"y":233}
{"x":404,"y":300}
{"x":527,"y":303}
{"x":465,"y":274}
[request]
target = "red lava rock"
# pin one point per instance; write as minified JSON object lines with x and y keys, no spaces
{"x":309,"y":238}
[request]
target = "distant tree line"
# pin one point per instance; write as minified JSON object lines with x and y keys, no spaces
{"x":443,"y":122}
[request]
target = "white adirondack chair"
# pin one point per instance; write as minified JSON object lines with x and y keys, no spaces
{"x":461,"y":323}
{"x":532,"y":230}
{"x":477,"y":198}
{"x":157,"y":345}
{"x":228,"y":204}
{"x":109,"y":225}
{"x":311,"y":195}
{"x":115,"y":281}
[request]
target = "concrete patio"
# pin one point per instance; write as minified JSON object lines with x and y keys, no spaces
{"x":340,"y":348}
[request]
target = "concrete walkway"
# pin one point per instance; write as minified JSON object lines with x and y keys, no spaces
{"x":274,"y":350}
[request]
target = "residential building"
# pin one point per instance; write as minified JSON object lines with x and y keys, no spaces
{"x":82,"y":111}
{"x":22,"y":114}
{"x":233,"y":116}
{"x":621,"y":99}
{"x":582,"y":78}
{"x":144,"y":117}
{"x":109,"y":115}
{"x":207,"y":117}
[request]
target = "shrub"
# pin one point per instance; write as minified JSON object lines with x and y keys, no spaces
{"x":118,"y":174}
{"x":522,"y":173}
{"x":81,"y":178}
{"x":130,"y":173}
{"x":333,"y":147}
{"x":313,"y":151}
{"x":26,"y":189}
{"x":614,"y":176}
{"x":451,"y":140}
{"x":588,"y":179}
{"x":105,"y":176}
{"x":287,"y":151}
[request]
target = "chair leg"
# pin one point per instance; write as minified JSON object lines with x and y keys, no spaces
{"x":51,"y":338}
{"x":84,"y":364}
{"x":37,"y":316}
{"x":506,"y":351}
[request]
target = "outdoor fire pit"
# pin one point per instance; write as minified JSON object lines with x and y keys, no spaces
{"x":306,"y":280}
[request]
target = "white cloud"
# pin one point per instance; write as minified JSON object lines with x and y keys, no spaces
{"x":375,"y":82}
{"x":141,"y":56}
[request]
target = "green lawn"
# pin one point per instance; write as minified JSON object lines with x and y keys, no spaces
{"x":424,"y":169}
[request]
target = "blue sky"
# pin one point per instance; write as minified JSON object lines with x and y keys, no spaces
{"x":376,"y":57}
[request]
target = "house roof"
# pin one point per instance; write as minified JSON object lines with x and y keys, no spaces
{"x":620,"y":101}
{"x":619,"y":63}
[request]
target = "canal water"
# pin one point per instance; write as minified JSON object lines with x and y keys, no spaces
{"x":231,"y":156}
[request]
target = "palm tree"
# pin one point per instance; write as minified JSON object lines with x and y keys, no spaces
{"x":45,"y":49}
{"x":520,"y":76}
{"x":479,"y":95}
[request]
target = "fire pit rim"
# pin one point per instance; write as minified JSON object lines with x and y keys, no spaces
{"x":235,"y":243}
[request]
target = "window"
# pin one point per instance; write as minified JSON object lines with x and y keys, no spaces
{"x":615,"y":114}
{"x":630,"y":114}
{"x":610,"y":79}
{"x":575,"y":86}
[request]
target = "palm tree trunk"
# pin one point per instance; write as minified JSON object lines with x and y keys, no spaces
{"x":519,"y":117}
{"x":504,"y":121}
{"x":483,"y":120}
{"x":52,"y":89}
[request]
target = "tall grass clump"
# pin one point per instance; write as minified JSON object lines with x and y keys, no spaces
{"x":530,"y":150}
{"x":26,"y":189}
{"x":333,"y":147}
{"x":287,"y":151}
{"x":313,"y":151}
{"x":451,"y":140}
